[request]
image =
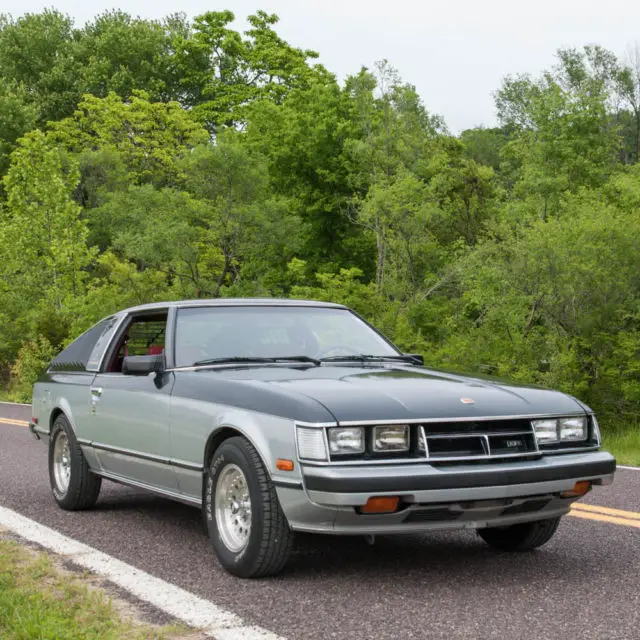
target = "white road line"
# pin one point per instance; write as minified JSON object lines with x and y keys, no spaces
{"x":622,"y":466}
{"x":187,"y":607}
{"x":15,"y":404}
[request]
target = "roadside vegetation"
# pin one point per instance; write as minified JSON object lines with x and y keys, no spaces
{"x":39,"y":600}
{"x":147,"y":160}
{"x":624,"y":442}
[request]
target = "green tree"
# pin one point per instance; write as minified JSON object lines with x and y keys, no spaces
{"x":239,"y":71}
{"x":484,"y":146}
{"x":116,"y":53}
{"x":555,"y":302}
{"x":149,"y":136}
{"x":35,"y":53}
{"x":43,"y":235}
{"x":303,"y":142}
{"x":17,"y":117}
{"x":564,"y":136}
{"x":241,"y":219}
{"x":43,"y":244}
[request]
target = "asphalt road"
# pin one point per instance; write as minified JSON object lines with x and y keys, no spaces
{"x":584,"y":584}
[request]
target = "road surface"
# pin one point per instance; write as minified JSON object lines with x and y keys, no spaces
{"x":584,"y":584}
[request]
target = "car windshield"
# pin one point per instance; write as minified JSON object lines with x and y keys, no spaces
{"x":262,"y":332}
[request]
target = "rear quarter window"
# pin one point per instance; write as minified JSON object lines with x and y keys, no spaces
{"x":77,"y":356}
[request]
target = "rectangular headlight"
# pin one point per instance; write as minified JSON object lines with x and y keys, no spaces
{"x":554,"y":430}
{"x":346,"y":440}
{"x":311,"y":444}
{"x":546,"y":430}
{"x":572,"y":429}
{"x":391,"y":438}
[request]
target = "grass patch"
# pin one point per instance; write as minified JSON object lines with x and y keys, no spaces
{"x":5,"y":396}
{"x":623,"y":443}
{"x":39,"y":601}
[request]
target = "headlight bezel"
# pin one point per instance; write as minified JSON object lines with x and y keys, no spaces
{"x":367,"y":451}
{"x":560,"y":432}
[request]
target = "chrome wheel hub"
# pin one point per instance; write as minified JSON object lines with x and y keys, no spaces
{"x":62,"y":462}
{"x":233,"y":508}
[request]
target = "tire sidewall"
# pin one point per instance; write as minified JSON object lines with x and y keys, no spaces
{"x":524,"y":536}
{"x":240,"y":562}
{"x":61,"y":425}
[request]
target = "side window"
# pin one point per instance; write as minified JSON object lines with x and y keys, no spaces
{"x":144,"y":335}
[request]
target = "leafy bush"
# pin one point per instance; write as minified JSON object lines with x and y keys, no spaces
{"x":32,"y":360}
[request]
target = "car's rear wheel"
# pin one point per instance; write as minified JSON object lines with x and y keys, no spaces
{"x":520,"y":537}
{"x":73,"y":485}
{"x":246,"y":525}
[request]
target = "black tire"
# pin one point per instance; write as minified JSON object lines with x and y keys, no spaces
{"x":270,"y":539}
{"x":83,"y":486}
{"x":520,"y":537}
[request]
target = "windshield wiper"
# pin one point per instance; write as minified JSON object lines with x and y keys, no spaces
{"x":308,"y":359}
{"x":238,"y":359}
{"x":363,"y":357}
{"x":255,"y":360}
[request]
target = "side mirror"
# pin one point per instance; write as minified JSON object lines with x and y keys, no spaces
{"x":418,"y":357}
{"x":142,"y":365}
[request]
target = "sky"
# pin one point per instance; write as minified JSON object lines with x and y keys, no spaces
{"x":455,"y":52}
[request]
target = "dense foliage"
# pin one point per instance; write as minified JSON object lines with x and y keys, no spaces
{"x":146,"y":160}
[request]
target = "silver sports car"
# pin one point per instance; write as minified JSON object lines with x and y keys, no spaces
{"x":276,"y":416}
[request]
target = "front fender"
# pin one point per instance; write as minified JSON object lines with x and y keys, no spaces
{"x":272,"y":437}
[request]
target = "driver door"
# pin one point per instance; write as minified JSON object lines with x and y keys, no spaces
{"x":129,"y":422}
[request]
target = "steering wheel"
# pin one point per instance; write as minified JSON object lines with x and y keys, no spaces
{"x":339,"y":347}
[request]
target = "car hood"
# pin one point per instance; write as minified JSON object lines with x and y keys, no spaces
{"x":407,"y":393}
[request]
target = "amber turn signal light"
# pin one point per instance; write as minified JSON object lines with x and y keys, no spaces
{"x":284,"y":465}
{"x":381,"y":504}
{"x":579,"y":489}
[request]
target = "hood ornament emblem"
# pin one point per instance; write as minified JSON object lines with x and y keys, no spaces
{"x":467,"y":401}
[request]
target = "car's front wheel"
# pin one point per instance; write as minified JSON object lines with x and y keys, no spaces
{"x":73,"y":485}
{"x":245,"y":522}
{"x":520,"y":537}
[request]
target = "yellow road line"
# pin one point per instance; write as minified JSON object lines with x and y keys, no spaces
{"x":619,"y":513}
{"x":596,"y":516}
{"x":18,"y":423}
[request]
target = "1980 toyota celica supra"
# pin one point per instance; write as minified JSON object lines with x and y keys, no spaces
{"x":278,"y":416}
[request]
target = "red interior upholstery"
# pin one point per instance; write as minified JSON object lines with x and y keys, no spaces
{"x":155,"y":350}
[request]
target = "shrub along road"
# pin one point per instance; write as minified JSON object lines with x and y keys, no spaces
{"x":585,"y":583}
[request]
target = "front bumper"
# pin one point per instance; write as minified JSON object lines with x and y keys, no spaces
{"x":445,"y":497}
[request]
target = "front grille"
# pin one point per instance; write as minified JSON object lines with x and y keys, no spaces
{"x":469,"y":440}
{"x":464,"y":446}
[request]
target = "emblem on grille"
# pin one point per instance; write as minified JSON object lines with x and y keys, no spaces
{"x":466,"y":400}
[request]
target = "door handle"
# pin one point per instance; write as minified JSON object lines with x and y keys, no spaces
{"x":96,"y":393}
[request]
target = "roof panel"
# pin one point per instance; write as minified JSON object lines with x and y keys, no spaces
{"x":236,"y":302}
